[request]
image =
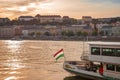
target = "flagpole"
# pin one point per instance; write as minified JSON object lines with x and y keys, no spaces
{"x":64,"y":53}
{"x":64,"y":56}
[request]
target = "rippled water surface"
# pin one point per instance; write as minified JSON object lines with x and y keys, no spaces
{"x":33,"y":60}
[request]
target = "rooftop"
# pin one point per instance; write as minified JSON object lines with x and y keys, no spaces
{"x":38,"y":15}
{"x":86,"y":17}
{"x":25,"y":17}
{"x":105,"y":43}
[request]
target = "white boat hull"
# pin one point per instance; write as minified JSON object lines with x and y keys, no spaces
{"x":84,"y":73}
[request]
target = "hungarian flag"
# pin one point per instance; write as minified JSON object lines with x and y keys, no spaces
{"x":59,"y":54}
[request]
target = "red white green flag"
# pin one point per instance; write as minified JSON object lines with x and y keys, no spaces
{"x":59,"y":54}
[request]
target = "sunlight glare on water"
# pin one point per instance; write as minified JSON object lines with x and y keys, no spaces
{"x":13,"y":45}
{"x":33,"y":59}
{"x":11,"y":78}
{"x":13,"y":61}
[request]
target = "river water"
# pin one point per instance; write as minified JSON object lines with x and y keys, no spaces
{"x":33,"y":59}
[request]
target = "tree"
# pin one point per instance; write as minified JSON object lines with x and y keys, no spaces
{"x":94,"y":33}
{"x":38,"y":33}
{"x":32,"y":33}
{"x":70,"y":33}
{"x":63,"y":33}
{"x":78,"y":33}
{"x":101,"y":33}
{"x":73,"y":21}
{"x":15,"y":22}
{"x":47,"y":33}
{"x":66,"y":21}
{"x":85,"y":34}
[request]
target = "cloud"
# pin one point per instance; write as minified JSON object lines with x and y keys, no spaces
{"x":9,"y":3}
{"x":14,"y":8}
{"x":104,"y":1}
{"x":15,"y":13}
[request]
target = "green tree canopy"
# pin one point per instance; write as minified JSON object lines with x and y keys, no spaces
{"x":47,"y":33}
{"x":70,"y":33}
{"x":94,"y":33}
{"x":32,"y":33}
{"x":84,"y":33}
{"x":63,"y":33}
{"x":79,"y":33}
{"x":38,"y":33}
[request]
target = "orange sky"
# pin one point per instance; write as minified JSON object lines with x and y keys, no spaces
{"x":72,"y":8}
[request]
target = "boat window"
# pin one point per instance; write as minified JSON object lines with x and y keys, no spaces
{"x":118,"y":68}
{"x":118,"y":52}
{"x":110,"y":67}
{"x":108,"y":51}
{"x":95,"y":50}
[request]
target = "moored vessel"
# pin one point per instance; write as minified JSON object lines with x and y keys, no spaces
{"x":101,"y":62}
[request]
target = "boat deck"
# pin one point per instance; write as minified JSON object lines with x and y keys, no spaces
{"x":79,"y":68}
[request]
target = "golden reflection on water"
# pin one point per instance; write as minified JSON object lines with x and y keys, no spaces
{"x":13,"y":45}
{"x":11,"y":78}
{"x":33,"y":59}
{"x":14,"y":72}
{"x":13,"y":61}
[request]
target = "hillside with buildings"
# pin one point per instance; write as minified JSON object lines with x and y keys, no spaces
{"x":60,"y":28}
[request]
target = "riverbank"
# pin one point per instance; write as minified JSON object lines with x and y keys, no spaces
{"x":66,"y":38}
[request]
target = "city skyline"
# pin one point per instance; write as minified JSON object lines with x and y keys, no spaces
{"x":72,"y":8}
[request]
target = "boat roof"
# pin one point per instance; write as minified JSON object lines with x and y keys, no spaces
{"x":104,"y":43}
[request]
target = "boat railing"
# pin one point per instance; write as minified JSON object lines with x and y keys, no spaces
{"x":81,"y":65}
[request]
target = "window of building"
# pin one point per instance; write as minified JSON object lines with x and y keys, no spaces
{"x":108,"y":51}
{"x":110,"y":67}
{"x":118,"y":52}
{"x":95,"y":51}
{"x":118,"y":68}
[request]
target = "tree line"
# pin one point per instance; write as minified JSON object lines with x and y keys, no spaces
{"x":68,"y":33}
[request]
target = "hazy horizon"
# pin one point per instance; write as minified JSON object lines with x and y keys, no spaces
{"x":71,"y":8}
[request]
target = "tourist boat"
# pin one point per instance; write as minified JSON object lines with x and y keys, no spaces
{"x":101,"y":62}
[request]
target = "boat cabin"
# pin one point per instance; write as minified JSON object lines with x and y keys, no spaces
{"x":108,"y":55}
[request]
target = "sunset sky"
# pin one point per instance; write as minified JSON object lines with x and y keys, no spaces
{"x":72,"y":8}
